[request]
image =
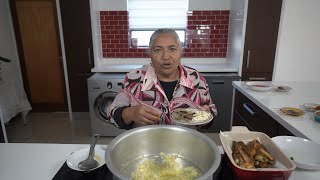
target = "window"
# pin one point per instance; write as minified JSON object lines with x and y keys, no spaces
{"x":145,"y":16}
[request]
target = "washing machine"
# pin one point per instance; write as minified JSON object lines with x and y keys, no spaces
{"x":102,"y":89}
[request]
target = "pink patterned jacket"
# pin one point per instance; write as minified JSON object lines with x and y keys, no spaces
{"x":142,"y":87}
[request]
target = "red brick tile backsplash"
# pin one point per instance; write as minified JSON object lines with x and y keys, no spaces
{"x":206,"y":35}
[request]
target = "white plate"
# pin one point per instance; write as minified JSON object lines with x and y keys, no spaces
{"x":259,"y":85}
{"x":192,"y":122}
{"x":310,"y":106}
{"x":282,"y":88}
{"x":303,"y":152}
{"x":76,"y":157}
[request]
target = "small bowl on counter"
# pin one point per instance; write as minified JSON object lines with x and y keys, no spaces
{"x":311,"y":107}
{"x":259,"y":85}
{"x":317,"y":116}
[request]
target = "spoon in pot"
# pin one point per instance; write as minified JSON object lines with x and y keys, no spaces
{"x":90,"y":163}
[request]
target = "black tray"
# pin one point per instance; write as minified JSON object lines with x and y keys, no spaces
{"x":224,"y":172}
{"x":66,"y":173}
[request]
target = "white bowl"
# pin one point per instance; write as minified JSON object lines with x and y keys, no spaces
{"x":259,"y":85}
{"x":75,"y":158}
{"x":303,"y":152}
{"x":282,"y":88}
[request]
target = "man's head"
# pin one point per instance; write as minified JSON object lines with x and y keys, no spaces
{"x":165,"y":49}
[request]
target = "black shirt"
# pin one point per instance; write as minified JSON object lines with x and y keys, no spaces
{"x":168,"y":88}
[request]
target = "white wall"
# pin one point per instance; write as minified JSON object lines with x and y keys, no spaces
{"x":298,"y":48}
{"x":209,"y":4}
{"x":236,"y":32}
{"x":111,"y":5}
{"x":121,"y":5}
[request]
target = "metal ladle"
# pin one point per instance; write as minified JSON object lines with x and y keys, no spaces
{"x":90,"y":163}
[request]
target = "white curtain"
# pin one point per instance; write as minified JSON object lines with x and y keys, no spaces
{"x":13,"y":99}
{"x":154,"y":14}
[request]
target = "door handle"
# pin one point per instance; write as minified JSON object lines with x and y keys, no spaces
{"x":217,"y":82}
{"x":89,"y":56}
{"x":249,"y":109}
{"x":257,"y":78}
{"x":248,"y":59}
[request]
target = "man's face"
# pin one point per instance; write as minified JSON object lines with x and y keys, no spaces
{"x":165,"y":55}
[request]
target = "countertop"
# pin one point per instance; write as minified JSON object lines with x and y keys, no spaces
{"x":42,"y":161}
{"x":271,"y":101}
{"x":212,"y":67}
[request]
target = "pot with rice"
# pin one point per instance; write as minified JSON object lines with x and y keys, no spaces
{"x":162,"y":152}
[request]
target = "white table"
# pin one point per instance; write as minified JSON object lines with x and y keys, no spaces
{"x":34,"y":161}
{"x":42,"y":161}
{"x":271,"y":101}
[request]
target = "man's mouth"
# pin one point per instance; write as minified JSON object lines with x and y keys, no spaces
{"x":166,"y":65}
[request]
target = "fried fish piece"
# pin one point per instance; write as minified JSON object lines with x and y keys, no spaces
{"x":259,"y":147}
{"x":252,"y":155}
{"x":242,"y":159}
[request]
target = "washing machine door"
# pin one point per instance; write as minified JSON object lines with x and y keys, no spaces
{"x":101,"y":103}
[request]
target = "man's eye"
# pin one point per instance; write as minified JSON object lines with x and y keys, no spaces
{"x":157,"y":50}
{"x":173,"y":49}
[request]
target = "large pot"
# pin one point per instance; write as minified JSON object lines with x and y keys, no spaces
{"x":132,"y":147}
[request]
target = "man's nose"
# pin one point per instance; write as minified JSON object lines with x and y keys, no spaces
{"x":165,"y":54}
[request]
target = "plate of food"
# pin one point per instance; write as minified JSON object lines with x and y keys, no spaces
{"x":76,"y":157}
{"x":292,"y":111}
{"x":282,"y":88}
{"x":259,"y":85}
{"x":311,"y":107}
{"x":191,"y":116}
{"x":304,"y":153}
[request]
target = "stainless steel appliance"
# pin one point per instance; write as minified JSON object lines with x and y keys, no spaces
{"x":221,"y":91}
{"x":102,"y":89}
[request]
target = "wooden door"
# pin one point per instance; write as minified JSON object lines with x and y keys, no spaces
{"x":40,"y":52}
{"x":76,"y":22}
{"x":262,"y":26}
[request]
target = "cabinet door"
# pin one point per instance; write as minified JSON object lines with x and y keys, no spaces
{"x":76,"y":23}
{"x":262,"y":26}
{"x":253,"y":117}
{"x":220,"y":88}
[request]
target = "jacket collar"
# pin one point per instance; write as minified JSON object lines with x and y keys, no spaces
{"x":150,"y":79}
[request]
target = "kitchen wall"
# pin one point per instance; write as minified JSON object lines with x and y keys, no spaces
{"x":236,"y":32}
{"x":297,"y":56}
{"x":211,"y":45}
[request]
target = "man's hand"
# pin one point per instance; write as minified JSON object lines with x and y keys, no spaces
{"x":141,"y":115}
{"x":205,"y":108}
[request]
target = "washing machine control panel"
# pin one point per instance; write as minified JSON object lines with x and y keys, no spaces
{"x":121,"y":85}
{"x":109,"y":85}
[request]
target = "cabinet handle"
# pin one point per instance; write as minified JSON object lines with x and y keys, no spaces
{"x":218,"y":82}
{"x":257,"y":78}
{"x":247,"y":107}
{"x":248,"y":59}
{"x":89,"y":56}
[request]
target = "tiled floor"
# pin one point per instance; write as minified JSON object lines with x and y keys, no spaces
{"x":53,"y":127}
